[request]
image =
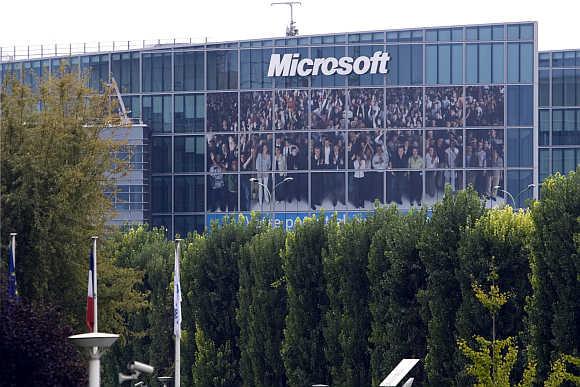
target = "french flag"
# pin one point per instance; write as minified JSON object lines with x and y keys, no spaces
{"x":91,"y":294}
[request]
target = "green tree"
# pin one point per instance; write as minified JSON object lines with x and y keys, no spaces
{"x":396,"y":275}
{"x":303,"y":346}
{"x":505,"y":236}
{"x":491,"y":364}
{"x":261,"y":310}
{"x":54,"y":165}
{"x":210,"y":281}
{"x":148,"y":330}
{"x":439,"y":253}
{"x":211,"y":366}
{"x":347,"y":317}
{"x":554,"y":307}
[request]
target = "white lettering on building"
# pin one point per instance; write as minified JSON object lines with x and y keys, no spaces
{"x":290,"y":65}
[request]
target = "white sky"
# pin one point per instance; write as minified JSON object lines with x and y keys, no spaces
{"x":66,"y":21}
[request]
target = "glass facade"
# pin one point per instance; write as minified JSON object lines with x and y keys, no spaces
{"x":457,"y":107}
{"x":559,"y":112}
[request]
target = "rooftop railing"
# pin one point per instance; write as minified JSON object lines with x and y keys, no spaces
{"x":16,"y":53}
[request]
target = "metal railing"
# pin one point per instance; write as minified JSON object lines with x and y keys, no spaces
{"x":16,"y":53}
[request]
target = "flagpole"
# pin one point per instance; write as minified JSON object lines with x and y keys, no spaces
{"x":95,"y":308}
{"x":177,"y":313}
{"x":12,"y":279}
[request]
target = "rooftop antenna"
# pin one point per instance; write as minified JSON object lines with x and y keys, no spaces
{"x":291,"y":30}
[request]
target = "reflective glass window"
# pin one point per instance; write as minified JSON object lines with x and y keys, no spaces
{"x":254,"y":69}
{"x":188,"y":70}
{"x":544,"y":88}
{"x":544,"y":123}
{"x":156,"y":71}
{"x":520,"y":62}
{"x":222,"y":70}
{"x":189,"y":113}
{"x":569,"y":87}
{"x":498,"y":33}
{"x":520,"y":147}
{"x":544,"y":59}
{"x":518,"y":183}
{"x":544,"y":164}
{"x":520,"y":105}
{"x":485,"y":63}
{"x":406,"y":65}
{"x":484,"y":33}
{"x":161,"y":154}
{"x":161,"y":194}
{"x":125,"y":69}
{"x":189,"y":153}
{"x":184,"y":224}
{"x":189,"y":194}
{"x":566,"y":126}
{"x":157,"y":112}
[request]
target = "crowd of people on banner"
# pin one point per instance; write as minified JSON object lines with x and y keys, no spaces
{"x":271,"y":145}
{"x":484,"y":105}
{"x":291,"y":110}
{"x":328,"y":109}
{"x":256,"y":111}
{"x":484,"y":149}
{"x":222,"y":112}
{"x":404,"y":108}
{"x":444,"y":107}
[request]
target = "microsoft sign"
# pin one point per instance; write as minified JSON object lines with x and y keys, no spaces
{"x":290,"y":65}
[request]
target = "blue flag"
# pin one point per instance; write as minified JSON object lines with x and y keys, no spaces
{"x":12,"y":288}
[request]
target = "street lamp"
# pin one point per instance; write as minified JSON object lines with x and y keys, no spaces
{"x":96,"y":343}
{"x":270,"y":195}
{"x":498,"y":188}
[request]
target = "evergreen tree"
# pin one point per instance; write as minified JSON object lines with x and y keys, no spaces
{"x":396,"y":275}
{"x":211,"y":281}
{"x":261,"y":310}
{"x":555,"y":305}
{"x":347,"y":318}
{"x":303,"y":346}
{"x":439,"y":253}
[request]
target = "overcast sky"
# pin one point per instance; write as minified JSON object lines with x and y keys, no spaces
{"x":75,"y":21}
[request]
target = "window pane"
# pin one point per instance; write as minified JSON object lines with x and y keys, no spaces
{"x":498,"y":63}
{"x":520,"y":145}
{"x":513,"y":69}
{"x":444,"y":64}
{"x":189,"y":194}
{"x":544,"y":127}
{"x":569,"y":87}
{"x":161,"y":194}
{"x":472,"y":63}
{"x":189,"y":153}
{"x":254,"y":69}
{"x":518,"y":183}
{"x":544,"y":88}
{"x":222,"y":70}
{"x":557,"y":87}
{"x":526,"y":63}
{"x":189,"y":113}
{"x":431,"y":64}
{"x":161,"y":154}
{"x":457,"y":63}
{"x":520,"y":105}
{"x":189,"y":69}
{"x":498,"y":33}
{"x":484,"y":63}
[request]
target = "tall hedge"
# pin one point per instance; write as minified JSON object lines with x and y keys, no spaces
{"x":303,"y":346}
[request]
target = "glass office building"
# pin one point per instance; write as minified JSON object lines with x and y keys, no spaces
{"x":458,"y":106}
